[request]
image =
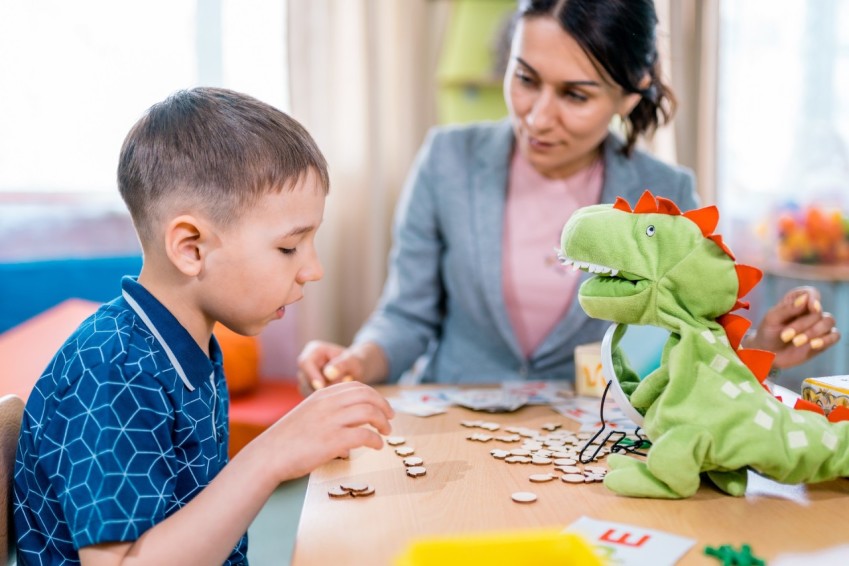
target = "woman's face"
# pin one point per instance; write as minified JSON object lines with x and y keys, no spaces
{"x":559,"y":104}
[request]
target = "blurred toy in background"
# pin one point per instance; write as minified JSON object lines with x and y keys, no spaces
{"x":813,"y":234}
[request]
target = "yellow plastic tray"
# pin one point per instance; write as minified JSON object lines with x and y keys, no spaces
{"x":514,"y":548}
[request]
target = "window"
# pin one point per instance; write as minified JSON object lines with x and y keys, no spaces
{"x":75,"y":76}
{"x":783,"y":107}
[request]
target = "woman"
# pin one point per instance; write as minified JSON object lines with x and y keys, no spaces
{"x":473,"y":279}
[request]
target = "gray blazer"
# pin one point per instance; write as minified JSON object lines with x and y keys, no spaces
{"x":443,"y":296}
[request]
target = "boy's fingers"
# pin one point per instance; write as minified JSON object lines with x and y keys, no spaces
{"x":355,"y":393}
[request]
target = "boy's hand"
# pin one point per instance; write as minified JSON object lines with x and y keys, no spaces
{"x":326,"y":425}
{"x":324,"y":363}
{"x":796,"y":328}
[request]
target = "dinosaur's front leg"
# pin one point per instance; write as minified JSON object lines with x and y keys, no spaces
{"x":671,"y":470}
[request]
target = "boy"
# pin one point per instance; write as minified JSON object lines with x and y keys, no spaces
{"x":123,"y":446}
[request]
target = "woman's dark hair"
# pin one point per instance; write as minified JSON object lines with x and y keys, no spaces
{"x":620,"y":36}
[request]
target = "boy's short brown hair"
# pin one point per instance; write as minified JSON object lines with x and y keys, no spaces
{"x":211,"y":150}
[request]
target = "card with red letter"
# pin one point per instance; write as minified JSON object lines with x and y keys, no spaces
{"x":631,"y":545}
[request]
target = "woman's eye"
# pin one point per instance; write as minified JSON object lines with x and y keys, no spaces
{"x":650,"y":230}
{"x":574,"y":95}
{"x":525,"y":79}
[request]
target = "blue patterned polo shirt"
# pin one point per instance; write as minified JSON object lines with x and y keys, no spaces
{"x":125,"y":426}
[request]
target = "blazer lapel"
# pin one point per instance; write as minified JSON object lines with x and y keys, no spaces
{"x":489,"y":195}
{"x":621,"y":178}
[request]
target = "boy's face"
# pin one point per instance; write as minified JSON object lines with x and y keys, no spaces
{"x":265,"y":258}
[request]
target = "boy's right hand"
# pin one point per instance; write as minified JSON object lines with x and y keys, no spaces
{"x":326,"y":425}
{"x":323,"y":363}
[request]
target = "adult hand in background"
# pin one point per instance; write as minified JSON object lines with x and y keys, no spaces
{"x":796,"y":328}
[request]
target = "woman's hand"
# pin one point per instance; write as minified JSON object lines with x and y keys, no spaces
{"x":323,"y":363}
{"x":796,"y":329}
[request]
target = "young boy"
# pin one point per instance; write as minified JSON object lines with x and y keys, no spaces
{"x":123,"y":447}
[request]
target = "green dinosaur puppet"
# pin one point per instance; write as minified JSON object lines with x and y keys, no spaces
{"x":705,"y":409}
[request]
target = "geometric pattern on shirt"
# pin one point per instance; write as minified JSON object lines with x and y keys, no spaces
{"x":112,"y":442}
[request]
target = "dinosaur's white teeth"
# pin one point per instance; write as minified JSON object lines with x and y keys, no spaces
{"x":591,"y":267}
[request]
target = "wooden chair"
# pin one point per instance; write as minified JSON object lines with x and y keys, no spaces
{"x":11,"y":413}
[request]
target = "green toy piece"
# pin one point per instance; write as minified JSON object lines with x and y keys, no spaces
{"x":705,"y":408}
{"x":730,"y":557}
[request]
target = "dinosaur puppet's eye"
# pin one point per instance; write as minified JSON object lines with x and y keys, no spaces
{"x":650,"y":230}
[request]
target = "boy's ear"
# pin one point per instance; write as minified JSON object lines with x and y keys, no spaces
{"x":186,"y":241}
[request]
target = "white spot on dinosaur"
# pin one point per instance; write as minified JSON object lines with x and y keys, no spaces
{"x":797,"y":439}
{"x":763,"y":420}
{"x":796,"y":417}
{"x":747,"y":387}
{"x":829,"y":440}
{"x":719,"y":363}
{"x":708,"y":335}
{"x":730,"y":389}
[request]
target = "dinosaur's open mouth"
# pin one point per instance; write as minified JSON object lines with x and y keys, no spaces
{"x":609,"y":281}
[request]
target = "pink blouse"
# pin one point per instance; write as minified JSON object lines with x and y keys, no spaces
{"x":538,"y":291}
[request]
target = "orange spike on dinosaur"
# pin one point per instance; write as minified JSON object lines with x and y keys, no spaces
{"x":759,"y":362}
{"x":622,"y":204}
{"x":666,"y":206}
{"x":646,"y":204}
{"x":705,"y":218}
{"x":748,"y":277}
{"x":735,"y":328}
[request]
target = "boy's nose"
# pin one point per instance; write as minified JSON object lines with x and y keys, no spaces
{"x":312,"y":271}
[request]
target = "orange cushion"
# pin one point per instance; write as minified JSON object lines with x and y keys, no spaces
{"x":27,"y":349}
{"x":241,"y":360}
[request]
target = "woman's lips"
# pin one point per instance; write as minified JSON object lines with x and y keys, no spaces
{"x":536,"y":143}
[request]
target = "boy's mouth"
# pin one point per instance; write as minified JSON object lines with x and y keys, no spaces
{"x":281,"y":311}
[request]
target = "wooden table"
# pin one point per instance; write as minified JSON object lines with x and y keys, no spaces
{"x":466,"y":490}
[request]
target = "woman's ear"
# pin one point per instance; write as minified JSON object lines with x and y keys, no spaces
{"x":186,"y":239}
{"x":630,"y":101}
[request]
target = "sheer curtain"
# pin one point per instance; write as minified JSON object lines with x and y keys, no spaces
{"x":688,"y":36}
{"x":361,"y":77}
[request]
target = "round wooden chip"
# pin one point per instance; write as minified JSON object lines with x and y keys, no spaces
{"x":416,"y":471}
{"x":524,"y":497}
{"x":413,"y":461}
{"x":395,"y":440}
{"x":573,"y":478}
{"x":354,"y":486}
{"x":404,"y":450}
{"x":538,"y":478}
{"x":338,"y":492}
{"x":364,"y":493}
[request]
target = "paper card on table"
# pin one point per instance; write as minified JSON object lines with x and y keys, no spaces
{"x":439,"y":398}
{"x":758,"y":485}
{"x":586,"y":410}
{"x":538,"y":392}
{"x":631,"y":545}
{"x":489,"y":400}
{"x":415,"y":408}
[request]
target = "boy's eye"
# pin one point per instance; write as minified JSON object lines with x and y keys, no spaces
{"x":288,"y":251}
